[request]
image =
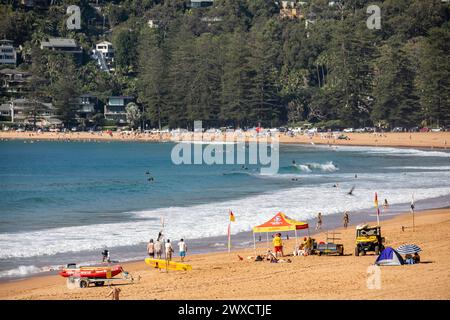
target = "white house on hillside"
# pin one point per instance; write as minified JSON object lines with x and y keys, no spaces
{"x":104,"y":54}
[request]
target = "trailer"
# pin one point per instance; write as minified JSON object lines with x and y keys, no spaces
{"x":330,"y":247}
{"x":84,"y":282}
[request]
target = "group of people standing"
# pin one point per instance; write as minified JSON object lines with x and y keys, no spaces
{"x":345,"y":220}
{"x":155,"y":249}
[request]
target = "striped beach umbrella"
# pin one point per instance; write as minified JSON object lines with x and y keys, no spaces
{"x":408,"y":249}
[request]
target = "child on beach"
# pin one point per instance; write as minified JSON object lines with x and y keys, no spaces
{"x":114,"y":293}
{"x":183,"y":248}
{"x":151,"y":248}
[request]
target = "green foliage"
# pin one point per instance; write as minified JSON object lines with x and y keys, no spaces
{"x":237,"y":63}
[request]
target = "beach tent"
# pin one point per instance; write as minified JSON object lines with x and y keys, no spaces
{"x":389,"y":257}
{"x":280,"y":222}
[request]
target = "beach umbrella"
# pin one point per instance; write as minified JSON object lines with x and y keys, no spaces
{"x":408,"y":249}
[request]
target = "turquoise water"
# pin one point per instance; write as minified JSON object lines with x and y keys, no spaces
{"x":66,"y":201}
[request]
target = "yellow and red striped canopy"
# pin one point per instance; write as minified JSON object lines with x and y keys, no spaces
{"x":280,"y":222}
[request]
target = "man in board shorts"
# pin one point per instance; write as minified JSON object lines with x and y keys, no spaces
{"x":277,"y":244}
{"x":183,"y":248}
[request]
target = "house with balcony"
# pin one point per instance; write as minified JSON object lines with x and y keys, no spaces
{"x":63,"y":45}
{"x":14,"y":83}
{"x":200,"y":3}
{"x":104,"y":54}
{"x":26,"y":111}
{"x":86,"y":108}
{"x":115,"y":108}
{"x":5,"y":112}
{"x":8,"y":54}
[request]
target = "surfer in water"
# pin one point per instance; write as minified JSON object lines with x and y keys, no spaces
{"x":351,"y":191}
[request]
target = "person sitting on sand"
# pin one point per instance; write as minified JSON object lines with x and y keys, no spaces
{"x":278,"y":244}
{"x":271,"y":257}
{"x":409,"y":259}
{"x":416,"y":258}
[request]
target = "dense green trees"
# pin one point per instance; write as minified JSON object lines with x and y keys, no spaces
{"x":237,"y":63}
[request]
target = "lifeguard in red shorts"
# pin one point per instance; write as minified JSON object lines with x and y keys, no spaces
{"x":277,"y":244}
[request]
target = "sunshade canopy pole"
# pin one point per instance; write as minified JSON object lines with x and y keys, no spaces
{"x":296,"y":242}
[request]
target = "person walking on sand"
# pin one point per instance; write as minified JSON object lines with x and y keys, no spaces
{"x":319,"y":221}
{"x":183,"y":249}
{"x":151,"y":248}
{"x":346,"y":219}
{"x":169,"y":250}
{"x":386,"y":204}
{"x":277,"y":244}
{"x":114,"y":293}
{"x":158,"y":249}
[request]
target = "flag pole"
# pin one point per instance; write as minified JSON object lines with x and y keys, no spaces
{"x":378,"y":209}
{"x":229,"y":236}
{"x":412,"y":210}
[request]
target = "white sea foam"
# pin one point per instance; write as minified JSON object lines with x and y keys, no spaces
{"x":326,"y":167}
{"x":22,"y":271}
{"x":440,"y":168}
{"x":303,"y":167}
{"x":395,"y":151}
{"x":208,"y":220}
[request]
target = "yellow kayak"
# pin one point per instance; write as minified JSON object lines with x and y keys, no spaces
{"x":170,"y":265}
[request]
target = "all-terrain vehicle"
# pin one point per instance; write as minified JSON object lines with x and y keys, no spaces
{"x":368,"y":239}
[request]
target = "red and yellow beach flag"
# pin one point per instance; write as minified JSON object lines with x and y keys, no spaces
{"x":378,"y":209}
{"x":232,"y":219}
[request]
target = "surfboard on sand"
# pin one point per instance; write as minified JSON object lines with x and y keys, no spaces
{"x":171,"y":265}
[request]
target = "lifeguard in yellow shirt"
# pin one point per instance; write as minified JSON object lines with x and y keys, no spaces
{"x":278,"y":244}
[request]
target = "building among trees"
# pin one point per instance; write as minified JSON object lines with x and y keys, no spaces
{"x":8,"y":54}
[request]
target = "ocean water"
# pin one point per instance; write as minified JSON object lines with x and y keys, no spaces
{"x":64,"y":202}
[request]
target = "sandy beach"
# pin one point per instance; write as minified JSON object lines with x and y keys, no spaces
{"x":224,"y":276}
{"x":440,"y":140}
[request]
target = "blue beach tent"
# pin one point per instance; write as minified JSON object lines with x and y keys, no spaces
{"x":389,"y":257}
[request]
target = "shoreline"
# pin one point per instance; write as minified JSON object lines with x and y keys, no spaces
{"x":215,"y":267}
{"x":425,"y":140}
